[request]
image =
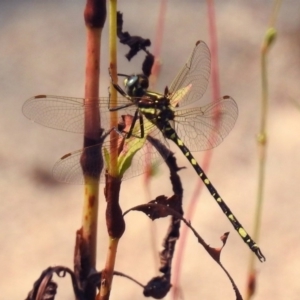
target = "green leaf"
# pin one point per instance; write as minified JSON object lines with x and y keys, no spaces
{"x":131,"y":146}
{"x":106,"y":157}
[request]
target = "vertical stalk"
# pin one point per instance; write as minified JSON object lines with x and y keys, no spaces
{"x":91,"y":136}
{"x":114,"y":219}
{"x":160,"y":26}
{"x":113,"y":93}
{"x":269,"y":38}
{"x":94,"y":16}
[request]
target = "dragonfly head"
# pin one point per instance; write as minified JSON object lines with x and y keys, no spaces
{"x":136,"y":85}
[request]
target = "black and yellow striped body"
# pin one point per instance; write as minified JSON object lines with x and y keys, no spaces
{"x":171,"y":134}
{"x":160,"y":113}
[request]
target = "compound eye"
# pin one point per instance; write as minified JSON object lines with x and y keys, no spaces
{"x":131,"y":81}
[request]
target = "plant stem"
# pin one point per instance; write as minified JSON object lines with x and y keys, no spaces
{"x":262,"y":145}
{"x":114,"y":219}
{"x":107,"y":274}
{"x":92,"y":121}
{"x":94,"y":16}
{"x":113,"y":92}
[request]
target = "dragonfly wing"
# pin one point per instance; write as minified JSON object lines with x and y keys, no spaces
{"x":191,"y":82}
{"x":64,"y":113}
{"x":145,"y":159}
{"x":205,"y":127}
{"x":69,"y":168}
{"x":67,"y":113}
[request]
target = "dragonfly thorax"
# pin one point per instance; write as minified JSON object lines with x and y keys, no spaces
{"x":156,"y":108}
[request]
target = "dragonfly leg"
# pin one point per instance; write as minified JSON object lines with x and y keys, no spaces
{"x":117,"y":86}
{"x":136,"y":116}
{"x":130,"y":122}
{"x":118,"y":107}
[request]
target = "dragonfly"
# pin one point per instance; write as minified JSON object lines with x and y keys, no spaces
{"x":191,"y":129}
{"x":159,"y":115}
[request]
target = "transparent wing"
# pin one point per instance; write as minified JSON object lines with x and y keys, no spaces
{"x":205,"y":127}
{"x":194,"y":75}
{"x":68,"y":169}
{"x":67,"y":113}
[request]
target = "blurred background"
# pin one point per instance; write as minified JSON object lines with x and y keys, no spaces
{"x":43,"y":52}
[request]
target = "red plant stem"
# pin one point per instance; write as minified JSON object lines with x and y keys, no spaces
{"x":213,"y":50}
{"x":208,"y":154}
{"x":158,"y":40}
{"x":92,"y":120}
{"x":94,"y":17}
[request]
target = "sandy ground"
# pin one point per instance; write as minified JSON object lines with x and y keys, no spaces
{"x":43,"y":52}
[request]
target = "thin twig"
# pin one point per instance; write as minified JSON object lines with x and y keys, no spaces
{"x":262,"y":145}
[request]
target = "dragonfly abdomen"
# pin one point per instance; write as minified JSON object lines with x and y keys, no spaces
{"x":171,"y":134}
